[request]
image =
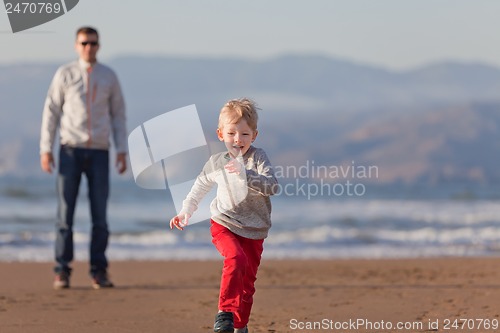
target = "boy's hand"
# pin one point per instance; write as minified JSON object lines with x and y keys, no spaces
{"x":180,"y":221}
{"x":234,"y":166}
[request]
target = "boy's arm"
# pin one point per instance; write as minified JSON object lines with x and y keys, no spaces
{"x":203,"y":184}
{"x":262,"y":180}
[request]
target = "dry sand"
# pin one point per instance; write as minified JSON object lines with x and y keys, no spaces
{"x":292,"y":295}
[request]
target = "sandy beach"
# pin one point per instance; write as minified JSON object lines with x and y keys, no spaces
{"x":411,"y":295}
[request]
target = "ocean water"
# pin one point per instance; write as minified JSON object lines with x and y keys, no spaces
{"x":388,"y":223}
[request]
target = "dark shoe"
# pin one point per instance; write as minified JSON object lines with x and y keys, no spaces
{"x":61,"y":281}
{"x":241,"y":330}
{"x":224,"y":322}
{"x":101,"y":280}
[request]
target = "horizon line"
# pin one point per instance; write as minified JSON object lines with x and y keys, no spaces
{"x":360,"y":63}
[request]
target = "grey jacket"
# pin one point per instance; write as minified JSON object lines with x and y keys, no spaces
{"x":242,"y":203}
{"x":87,"y":108}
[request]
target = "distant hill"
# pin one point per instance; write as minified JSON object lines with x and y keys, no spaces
{"x":431,"y":124}
{"x":451,"y":144}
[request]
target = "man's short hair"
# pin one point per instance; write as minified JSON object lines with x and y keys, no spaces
{"x":87,"y":31}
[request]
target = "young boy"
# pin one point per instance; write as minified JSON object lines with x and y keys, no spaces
{"x":241,"y":211}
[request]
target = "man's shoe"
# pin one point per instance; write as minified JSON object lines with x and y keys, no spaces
{"x":61,"y":281}
{"x":101,"y":280}
{"x":241,"y":330}
{"x":224,"y":322}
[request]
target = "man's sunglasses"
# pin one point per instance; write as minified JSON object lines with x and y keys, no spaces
{"x":91,"y":43}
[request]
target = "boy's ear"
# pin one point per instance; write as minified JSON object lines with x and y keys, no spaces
{"x":219,"y":134}
{"x":255,"y":135}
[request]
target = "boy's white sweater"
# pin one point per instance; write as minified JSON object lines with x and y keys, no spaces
{"x":242,"y":203}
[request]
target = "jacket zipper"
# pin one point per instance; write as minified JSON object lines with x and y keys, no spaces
{"x":89,"y":101}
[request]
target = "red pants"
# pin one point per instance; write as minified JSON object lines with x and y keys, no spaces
{"x":241,"y":262}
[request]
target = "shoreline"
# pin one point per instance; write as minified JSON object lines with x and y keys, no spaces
{"x":292,"y":296}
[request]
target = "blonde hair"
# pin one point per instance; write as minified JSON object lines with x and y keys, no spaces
{"x":236,"y":109}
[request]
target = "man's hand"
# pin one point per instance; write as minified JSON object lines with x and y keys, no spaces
{"x":47,"y":162}
{"x":121,"y":162}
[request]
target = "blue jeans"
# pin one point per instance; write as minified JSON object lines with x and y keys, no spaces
{"x":73,"y":162}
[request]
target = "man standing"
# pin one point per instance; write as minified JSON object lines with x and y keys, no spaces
{"x":85,"y":102}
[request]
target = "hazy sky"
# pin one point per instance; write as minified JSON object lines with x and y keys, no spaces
{"x":398,"y":34}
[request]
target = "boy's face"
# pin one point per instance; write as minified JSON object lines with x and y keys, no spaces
{"x":237,"y":137}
